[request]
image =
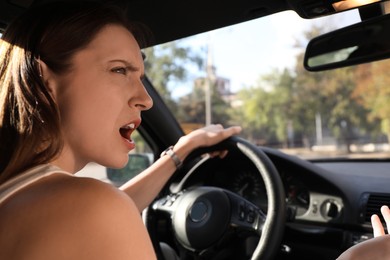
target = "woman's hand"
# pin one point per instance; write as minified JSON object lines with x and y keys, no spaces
{"x":212,"y":134}
{"x":375,"y":248}
{"x":377,"y":224}
{"x":206,"y":136}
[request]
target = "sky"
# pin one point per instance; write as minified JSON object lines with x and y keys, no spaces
{"x":243,"y":52}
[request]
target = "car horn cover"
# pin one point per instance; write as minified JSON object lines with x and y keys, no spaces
{"x":201,"y":217}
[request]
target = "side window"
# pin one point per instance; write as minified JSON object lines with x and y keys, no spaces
{"x":139,"y":159}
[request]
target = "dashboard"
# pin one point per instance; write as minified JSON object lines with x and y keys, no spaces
{"x":308,"y":198}
{"x":329,"y":203}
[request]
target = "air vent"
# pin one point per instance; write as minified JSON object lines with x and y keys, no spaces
{"x":374,"y":203}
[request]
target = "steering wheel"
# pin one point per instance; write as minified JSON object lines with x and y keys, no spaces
{"x":204,"y":216}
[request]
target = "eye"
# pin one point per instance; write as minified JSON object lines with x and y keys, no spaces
{"x":120,"y":70}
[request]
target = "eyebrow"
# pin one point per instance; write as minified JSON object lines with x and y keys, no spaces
{"x":127,"y":63}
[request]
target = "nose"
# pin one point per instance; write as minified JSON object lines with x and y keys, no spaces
{"x":141,"y":100}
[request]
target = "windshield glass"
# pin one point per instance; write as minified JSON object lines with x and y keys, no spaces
{"x":251,"y":74}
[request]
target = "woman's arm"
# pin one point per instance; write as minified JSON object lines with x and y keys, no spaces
{"x":144,"y":187}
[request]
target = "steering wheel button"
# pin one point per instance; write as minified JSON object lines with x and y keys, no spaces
{"x":242,"y":210}
{"x":169,"y":203}
{"x":163,"y":202}
{"x":242,"y":215}
{"x":251,"y":215}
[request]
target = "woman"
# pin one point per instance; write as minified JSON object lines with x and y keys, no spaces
{"x":72,"y":93}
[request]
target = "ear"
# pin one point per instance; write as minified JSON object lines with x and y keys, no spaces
{"x":48,"y":78}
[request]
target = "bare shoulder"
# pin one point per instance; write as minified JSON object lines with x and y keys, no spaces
{"x":64,"y":217}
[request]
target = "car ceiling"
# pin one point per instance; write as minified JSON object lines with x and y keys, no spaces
{"x":174,"y":19}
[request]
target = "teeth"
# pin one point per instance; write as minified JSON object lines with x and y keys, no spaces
{"x":129,"y":126}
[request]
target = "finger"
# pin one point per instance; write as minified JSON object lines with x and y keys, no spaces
{"x":386,"y":216}
{"x":377,"y":226}
{"x":228,"y":132}
{"x":220,"y":154}
{"x":233,"y":130}
{"x":223,"y":154}
{"x":214,"y":154}
{"x":222,"y":129}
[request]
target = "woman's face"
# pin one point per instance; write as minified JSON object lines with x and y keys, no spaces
{"x":101,"y":100}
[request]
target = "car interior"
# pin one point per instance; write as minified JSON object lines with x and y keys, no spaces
{"x":259,"y":202}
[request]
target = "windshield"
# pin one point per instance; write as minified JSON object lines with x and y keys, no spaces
{"x":252,"y":75}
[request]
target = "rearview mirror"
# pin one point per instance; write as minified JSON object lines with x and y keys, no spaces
{"x":359,"y":43}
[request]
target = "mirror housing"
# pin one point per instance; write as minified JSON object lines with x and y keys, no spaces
{"x":359,"y":43}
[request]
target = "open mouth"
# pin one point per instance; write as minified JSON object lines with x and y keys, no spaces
{"x":126,"y":131}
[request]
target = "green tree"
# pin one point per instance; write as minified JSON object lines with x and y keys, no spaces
{"x":167,"y":63}
{"x":193,"y":105}
{"x":330,"y":94}
{"x":283,"y":106}
{"x":373,"y":92}
{"x":267,"y":109}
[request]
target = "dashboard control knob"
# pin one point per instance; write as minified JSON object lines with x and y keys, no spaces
{"x":330,"y":209}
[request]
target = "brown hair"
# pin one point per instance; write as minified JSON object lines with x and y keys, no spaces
{"x":30,"y":129}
